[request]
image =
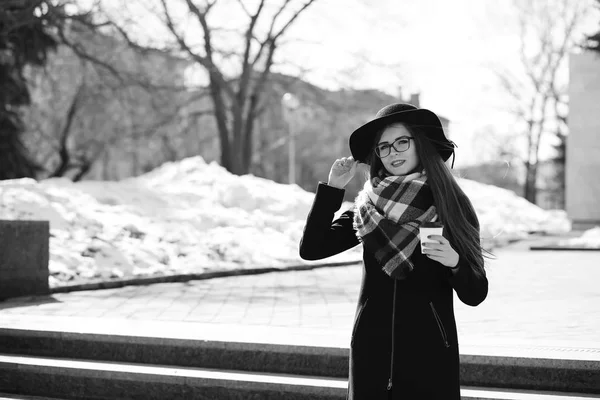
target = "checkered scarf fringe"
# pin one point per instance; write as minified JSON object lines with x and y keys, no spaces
{"x":388,"y":213}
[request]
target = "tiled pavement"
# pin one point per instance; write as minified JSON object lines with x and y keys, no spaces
{"x":536,"y":297}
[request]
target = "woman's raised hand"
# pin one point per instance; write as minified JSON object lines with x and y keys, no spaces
{"x":342,"y":171}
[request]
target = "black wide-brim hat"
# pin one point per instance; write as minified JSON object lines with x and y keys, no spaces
{"x":361,"y":140}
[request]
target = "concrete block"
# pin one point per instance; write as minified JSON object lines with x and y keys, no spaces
{"x":24,"y":257}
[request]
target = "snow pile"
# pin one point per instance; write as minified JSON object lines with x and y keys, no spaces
{"x":590,"y":239}
{"x":180,"y":218}
{"x":504,"y":216}
{"x":190,"y":217}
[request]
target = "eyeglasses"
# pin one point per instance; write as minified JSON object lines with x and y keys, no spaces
{"x":401,"y":144}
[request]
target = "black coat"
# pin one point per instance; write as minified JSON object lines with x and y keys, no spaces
{"x":426,"y":362}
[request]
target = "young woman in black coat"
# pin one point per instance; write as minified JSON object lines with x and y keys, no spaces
{"x":404,"y":341}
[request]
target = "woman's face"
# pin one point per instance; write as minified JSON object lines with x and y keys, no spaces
{"x":402,"y":158}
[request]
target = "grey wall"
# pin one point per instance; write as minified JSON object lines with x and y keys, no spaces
{"x":583,"y":144}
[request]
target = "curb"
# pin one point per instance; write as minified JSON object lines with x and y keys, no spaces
{"x":119,"y":283}
{"x":562,"y":248}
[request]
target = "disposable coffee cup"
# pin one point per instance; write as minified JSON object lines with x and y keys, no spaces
{"x":429,"y":228}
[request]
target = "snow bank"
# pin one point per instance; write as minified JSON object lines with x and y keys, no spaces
{"x":590,"y":239}
{"x":504,"y":216}
{"x":190,"y":217}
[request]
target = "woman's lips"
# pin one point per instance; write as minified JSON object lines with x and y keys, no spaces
{"x":397,"y":163}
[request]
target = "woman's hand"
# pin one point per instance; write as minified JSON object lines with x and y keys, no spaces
{"x":441,"y":252}
{"x":342,"y":171}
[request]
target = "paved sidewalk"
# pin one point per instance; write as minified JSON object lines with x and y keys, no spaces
{"x":536,"y":297}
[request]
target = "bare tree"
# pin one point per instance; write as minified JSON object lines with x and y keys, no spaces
{"x":30,"y":32}
{"x":24,"y":41}
{"x":237,"y":75}
{"x":548,"y":33}
{"x":80,"y":109}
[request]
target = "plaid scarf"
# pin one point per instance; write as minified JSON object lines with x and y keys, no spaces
{"x":389,"y":211}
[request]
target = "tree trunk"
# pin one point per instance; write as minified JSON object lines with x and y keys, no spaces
{"x":63,"y":166}
{"x":83,"y":170}
{"x":237,"y":105}
{"x":236,"y":146}
{"x":168,"y":148}
{"x":531,"y":165}
{"x":105,"y":162}
{"x":220,"y":114}
{"x":529,"y":161}
{"x":248,"y":146}
{"x":135,"y":158}
{"x":65,"y":156}
{"x":238,"y":166}
{"x":530,"y":182}
{"x":248,"y":142}
{"x":535,"y":138}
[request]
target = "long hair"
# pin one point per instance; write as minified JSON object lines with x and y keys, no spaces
{"x":454,"y":208}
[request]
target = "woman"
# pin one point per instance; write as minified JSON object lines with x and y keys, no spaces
{"x":404,"y":341}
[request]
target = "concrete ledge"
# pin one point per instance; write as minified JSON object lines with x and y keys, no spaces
{"x":80,"y":380}
{"x":6,"y":396}
{"x":577,"y":376}
{"x":471,"y":393}
{"x":148,"y":280}
{"x":255,"y":357}
{"x":500,"y":368}
{"x":553,"y":247}
{"x":583,"y":224}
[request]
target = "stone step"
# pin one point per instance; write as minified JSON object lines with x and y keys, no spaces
{"x":212,"y":354}
{"x":81,"y":380}
{"x":75,"y":379}
{"x":515,"y":369}
{"x":6,"y":396}
{"x":470,"y":393}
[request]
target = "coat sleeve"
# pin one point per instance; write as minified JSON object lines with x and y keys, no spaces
{"x":470,"y":285}
{"x":323,"y":237}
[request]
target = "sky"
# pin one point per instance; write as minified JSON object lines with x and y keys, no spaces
{"x":193,"y":217}
{"x":448,"y":51}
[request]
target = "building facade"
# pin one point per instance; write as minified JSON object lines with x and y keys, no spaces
{"x":583,"y":144}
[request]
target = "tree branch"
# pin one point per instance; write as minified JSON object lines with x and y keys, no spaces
{"x":205,"y":61}
{"x":241,"y":3}
{"x":292,"y":19}
{"x":84,"y":55}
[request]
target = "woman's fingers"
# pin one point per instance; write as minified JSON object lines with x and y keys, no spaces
{"x":433,"y":245}
{"x":438,"y":238}
{"x":435,"y":257}
{"x":345,"y":163}
{"x":434,"y":248}
{"x":441,"y":252}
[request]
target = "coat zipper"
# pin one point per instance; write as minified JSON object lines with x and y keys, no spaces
{"x":389,"y":387}
{"x":440,"y":325}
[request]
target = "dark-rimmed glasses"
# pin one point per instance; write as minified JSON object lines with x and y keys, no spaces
{"x":400,"y":145}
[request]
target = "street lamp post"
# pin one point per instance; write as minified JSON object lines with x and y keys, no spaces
{"x":290,"y":103}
